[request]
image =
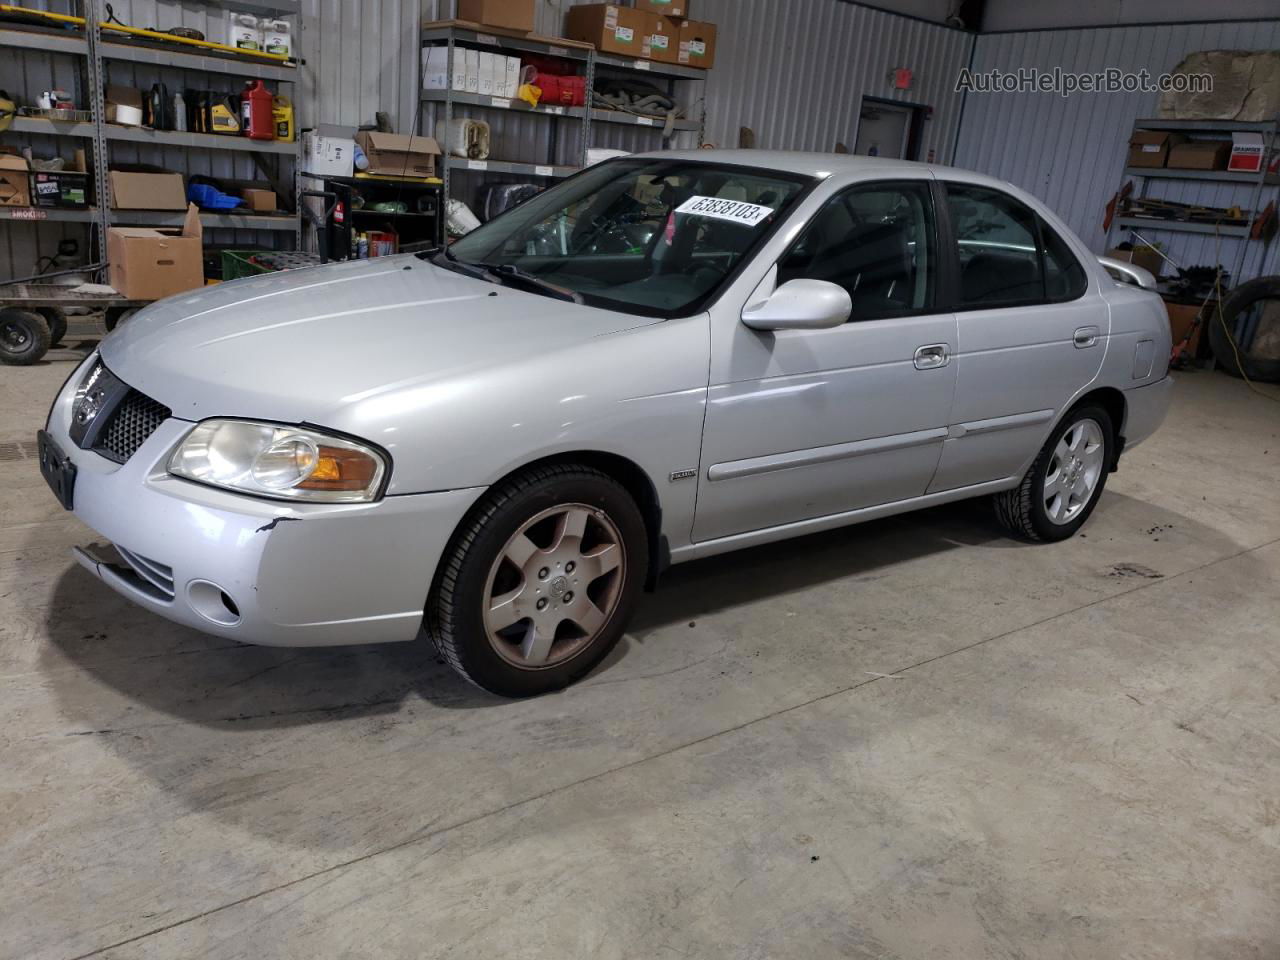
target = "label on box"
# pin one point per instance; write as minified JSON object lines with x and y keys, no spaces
{"x":624,"y":34}
{"x":1151,"y":148}
{"x":29,"y":213}
{"x":502,"y":103}
{"x":543,"y":172}
{"x":477,"y":164}
{"x":641,"y":65}
{"x":698,"y":48}
{"x":486,"y":38}
{"x":644,"y":121}
{"x":734,"y":211}
{"x":558,"y":51}
{"x":46,"y":188}
{"x":610,"y":18}
{"x":558,"y":111}
{"x":658,"y":41}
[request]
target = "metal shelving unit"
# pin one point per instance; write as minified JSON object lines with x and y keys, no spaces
{"x":458,"y":36}
{"x":1258,"y":180}
{"x":97,"y":50}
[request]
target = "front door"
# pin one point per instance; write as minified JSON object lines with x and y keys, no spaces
{"x":1031,"y":334}
{"x":807,"y":423}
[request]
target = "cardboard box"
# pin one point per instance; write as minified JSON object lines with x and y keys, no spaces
{"x":257,"y":199}
{"x":1181,"y":318}
{"x":1150,"y":148}
{"x":612,"y":29}
{"x":668,"y":8}
{"x":137,"y":190}
{"x":329,"y":150}
{"x":513,"y":77}
{"x":15,"y":186}
{"x":697,"y":44}
{"x":435,"y":68}
{"x":1200,"y":155}
{"x":1141,"y":256}
{"x":128,"y":98}
{"x":399,"y":155}
{"x":146,"y":264}
{"x":515,"y":15}
{"x":472,"y":60}
{"x":660,"y":39}
{"x":1246,"y":152}
{"x":489,"y":63}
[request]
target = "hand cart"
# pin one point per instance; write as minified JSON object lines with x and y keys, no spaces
{"x":32,"y":316}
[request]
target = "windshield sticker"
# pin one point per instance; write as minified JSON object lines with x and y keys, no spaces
{"x":735,"y":211}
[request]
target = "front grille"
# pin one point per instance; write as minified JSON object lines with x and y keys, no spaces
{"x":135,"y":419}
{"x":152,"y":578}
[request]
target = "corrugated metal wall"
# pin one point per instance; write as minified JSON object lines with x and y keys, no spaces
{"x":794,"y":72}
{"x":1071,"y":152}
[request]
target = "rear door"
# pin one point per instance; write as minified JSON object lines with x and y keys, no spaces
{"x":1031,"y":333}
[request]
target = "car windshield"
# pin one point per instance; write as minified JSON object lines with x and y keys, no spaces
{"x":651,"y":236}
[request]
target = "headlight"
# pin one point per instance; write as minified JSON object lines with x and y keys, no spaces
{"x":289,"y":463}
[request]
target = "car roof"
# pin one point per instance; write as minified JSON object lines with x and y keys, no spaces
{"x":826,"y":165}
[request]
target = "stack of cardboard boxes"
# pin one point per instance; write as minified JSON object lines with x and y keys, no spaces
{"x":658,"y":30}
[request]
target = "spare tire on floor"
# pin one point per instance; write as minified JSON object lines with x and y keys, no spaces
{"x":1260,"y":355}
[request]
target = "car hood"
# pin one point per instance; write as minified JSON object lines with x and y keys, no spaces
{"x":302,"y":344}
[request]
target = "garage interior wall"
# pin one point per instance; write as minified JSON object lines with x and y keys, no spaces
{"x":794,"y":72}
{"x":1070,"y":152}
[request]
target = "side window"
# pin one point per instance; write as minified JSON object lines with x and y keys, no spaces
{"x":1064,"y":278}
{"x":878,"y":242}
{"x":999,"y":252}
{"x":1008,"y":254}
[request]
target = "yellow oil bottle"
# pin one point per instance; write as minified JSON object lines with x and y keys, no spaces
{"x":282,"y":115}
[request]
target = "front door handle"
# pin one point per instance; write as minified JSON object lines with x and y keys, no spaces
{"x":1085,"y":337}
{"x":933,"y":355}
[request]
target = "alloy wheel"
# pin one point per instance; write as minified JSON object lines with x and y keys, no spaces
{"x":554,"y":586}
{"x":1074,"y":471}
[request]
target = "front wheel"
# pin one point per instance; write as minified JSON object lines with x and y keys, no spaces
{"x":1066,"y":480}
{"x":540,"y":581}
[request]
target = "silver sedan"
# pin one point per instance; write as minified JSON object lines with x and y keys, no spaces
{"x":502,"y":443}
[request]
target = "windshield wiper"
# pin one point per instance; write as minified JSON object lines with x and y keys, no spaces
{"x":514,"y":276}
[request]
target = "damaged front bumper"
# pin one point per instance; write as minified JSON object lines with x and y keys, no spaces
{"x":260,"y":571}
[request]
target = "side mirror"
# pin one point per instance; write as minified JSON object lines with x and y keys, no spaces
{"x":1129,"y":273}
{"x":801,"y":305}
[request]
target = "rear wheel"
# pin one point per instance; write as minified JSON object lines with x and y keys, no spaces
{"x":540,"y":582}
{"x":1066,"y":480}
{"x":24,"y":337}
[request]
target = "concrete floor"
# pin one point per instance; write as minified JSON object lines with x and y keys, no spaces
{"x":1079,"y":757}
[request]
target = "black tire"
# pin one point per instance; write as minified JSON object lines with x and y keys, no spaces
{"x":1022,"y":510}
{"x":455,"y":609}
{"x":57,"y":321}
{"x":1238,"y":301}
{"x":24,"y":337}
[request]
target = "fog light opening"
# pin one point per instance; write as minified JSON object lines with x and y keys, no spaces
{"x":213,"y":603}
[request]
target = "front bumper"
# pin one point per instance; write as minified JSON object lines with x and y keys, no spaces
{"x":296,"y":574}
{"x":1145,"y":409}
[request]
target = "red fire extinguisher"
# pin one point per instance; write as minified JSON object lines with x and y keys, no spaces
{"x":255,"y":112}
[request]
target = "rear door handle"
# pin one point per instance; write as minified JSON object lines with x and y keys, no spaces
{"x":1085,"y":337}
{"x":931,"y":356}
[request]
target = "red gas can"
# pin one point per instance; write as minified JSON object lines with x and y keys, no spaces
{"x":255,"y":112}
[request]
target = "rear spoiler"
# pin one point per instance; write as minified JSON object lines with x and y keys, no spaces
{"x":1129,"y":273}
